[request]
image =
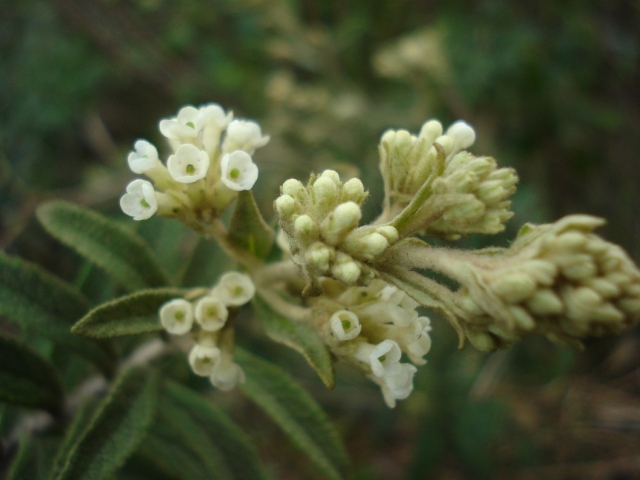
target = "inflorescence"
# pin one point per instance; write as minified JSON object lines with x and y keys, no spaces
{"x":359,"y":286}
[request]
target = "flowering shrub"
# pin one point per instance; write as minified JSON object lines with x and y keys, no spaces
{"x":326,"y":285}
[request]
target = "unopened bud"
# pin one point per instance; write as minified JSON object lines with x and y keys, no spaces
{"x":430,"y":131}
{"x":462,"y":133}
{"x":285,"y":206}
{"x":353,"y":190}
{"x":338,"y":223}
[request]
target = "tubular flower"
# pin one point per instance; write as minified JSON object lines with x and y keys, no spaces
{"x":140,"y":200}
{"x":176,"y":316}
{"x":238,"y":171}
{"x":234,"y":289}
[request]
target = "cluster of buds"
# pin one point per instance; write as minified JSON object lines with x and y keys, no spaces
{"x":458,"y":193}
{"x":206,"y":317}
{"x":560,"y":280}
{"x":321,"y":222}
{"x":370,"y":328}
{"x":210,"y":164}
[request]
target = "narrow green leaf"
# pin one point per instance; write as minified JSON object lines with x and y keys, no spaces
{"x":29,"y":462}
{"x":80,"y":422}
{"x":235,"y":445}
{"x":171,"y":457}
{"x":129,"y":315}
{"x":248,"y":229}
{"x":27,"y":378}
{"x":121,"y":253}
{"x":299,"y":336}
{"x":295,"y":412}
{"x":194,"y":437}
{"x":45,"y":305}
{"x":116,"y":429}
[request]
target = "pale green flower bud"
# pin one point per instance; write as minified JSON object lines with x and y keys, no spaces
{"x":430,"y":131}
{"x":295,"y":188}
{"x":353,"y":191}
{"x":338,"y":223}
{"x":305,"y":228}
{"x":285,"y":206}
{"x":319,"y":257}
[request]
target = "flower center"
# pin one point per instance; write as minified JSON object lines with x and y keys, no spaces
{"x":190,"y":169}
{"x":144,"y":203}
{"x":346,"y":324}
{"x":179,"y":315}
{"x":237,"y":291}
{"x":212,"y":312}
{"x":382,"y":358}
{"x":234,"y":173}
{"x":190,"y":124}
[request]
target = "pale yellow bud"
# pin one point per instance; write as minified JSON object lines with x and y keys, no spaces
{"x":319,"y":256}
{"x":325,"y":191}
{"x":514,"y":287}
{"x":545,"y":302}
{"x":388,"y":232}
{"x":430,"y":131}
{"x":285,"y":206}
{"x":462,"y":133}
{"x":348,"y":272}
{"x":305,"y":228}
{"x":353,"y":190}
{"x":446,"y":143}
{"x":295,"y":188}
{"x":338,"y":223}
{"x":333,"y":175}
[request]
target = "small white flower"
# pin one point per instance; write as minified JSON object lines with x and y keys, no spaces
{"x":188,"y":164}
{"x":399,"y":385}
{"x":421,"y":345}
{"x":203,"y":359}
{"x":176,"y":316}
{"x":211,"y":314}
{"x":185,"y":125}
{"x":226,"y":374}
{"x":385,"y":358}
{"x":244,"y":135}
{"x":234,"y":289}
{"x":238,"y":171}
{"x":213,"y":120}
{"x":462,"y":133}
{"x":140,"y":200}
{"x":345,"y":325}
{"x":144,"y":158}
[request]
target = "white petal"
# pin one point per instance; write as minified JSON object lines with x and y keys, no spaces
{"x":462,"y":133}
{"x":189,"y":164}
{"x":345,"y":325}
{"x":226,"y":375}
{"x":176,"y":316}
{"x":211,"y":314}
{"x":244,"y":135}
{"x":203,"y":359}
{"x":238,"y":171}
{"x":385,"y":357}
{"x":140,"y":200}
{"x":234,"y":289}
{"x":143,"y":158}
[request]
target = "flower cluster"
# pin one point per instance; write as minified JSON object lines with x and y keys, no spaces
{"x":211,"y":162}
{"x":321,"y":222}
{"x":207,"y":316}
{"x":560,"y":280}
{"x":370,"y":327}
{"x":458,"y":193}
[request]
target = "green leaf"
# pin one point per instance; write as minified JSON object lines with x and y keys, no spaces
{"x":295,"y":412}
{"x":216,"y":427}
{"x":129,"y":315}
{"x":121,"y":253}
{"x":27,"y":378}
{"x":171,"y":457}
{"x":116,"y":429}
{"x":30,"y":461}
{"x":299,"y":336}
{"x":248,"y":229}
{"x":46,"y":306}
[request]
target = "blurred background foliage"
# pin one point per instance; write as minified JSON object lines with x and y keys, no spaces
{"x":552,"y":87}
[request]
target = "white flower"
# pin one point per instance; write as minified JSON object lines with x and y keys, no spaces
{"x":422,"y":343}
{"x":176,"y":316}
{"x":226,"y":374}
{"x":189,"y":164}
{"x":144,"y":158}
{"x":399,"y":385}
{"x":238,"y":171}
{"x":140,"y":200}
{"x":213,"y":120}
{"x":185,"y":126}
{"x":345,"y":325}
{"x":462,"y":134}
{"x":203,"y":358}
{"x":211,"y":314}
{"x":244,"y":135}
{"x":385,"y":358}
{"x":234,"y":289}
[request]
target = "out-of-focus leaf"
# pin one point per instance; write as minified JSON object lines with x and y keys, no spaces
{"x":28,"y":462}
{"x":81,"y":420}
{"x":121,"y":253}
{"x":296,"y":413}
{"x":248,"y":229}
{"x":45,"y":305}
{"x":236,"y":448}
{"x":299,"y":336}
{"x":116,"y":429}
{"x":27,"y":378}
{"x":129,"y":315}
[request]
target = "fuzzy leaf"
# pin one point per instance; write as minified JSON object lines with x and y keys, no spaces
{"x":27,"y":378}
{"x":129,"y":315}
{"x":248,"y":229}
{"x":295,"y":412}
{"x":212,"y":425}
{"x":171,"y":457}
{"x":121,"y":253}
{"x":46,"y":306}
{"x":116,"y":429}
{"x":29,"y":462}
{"x":299,"y":336}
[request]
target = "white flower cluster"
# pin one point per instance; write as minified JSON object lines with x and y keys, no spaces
{"x":321,"y":224}
{"x":560,"y":280}
{"x":211,"y":162}
{"x":467,"y":194}
{"x":371,"y":328}
{"x":206,"y":316}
